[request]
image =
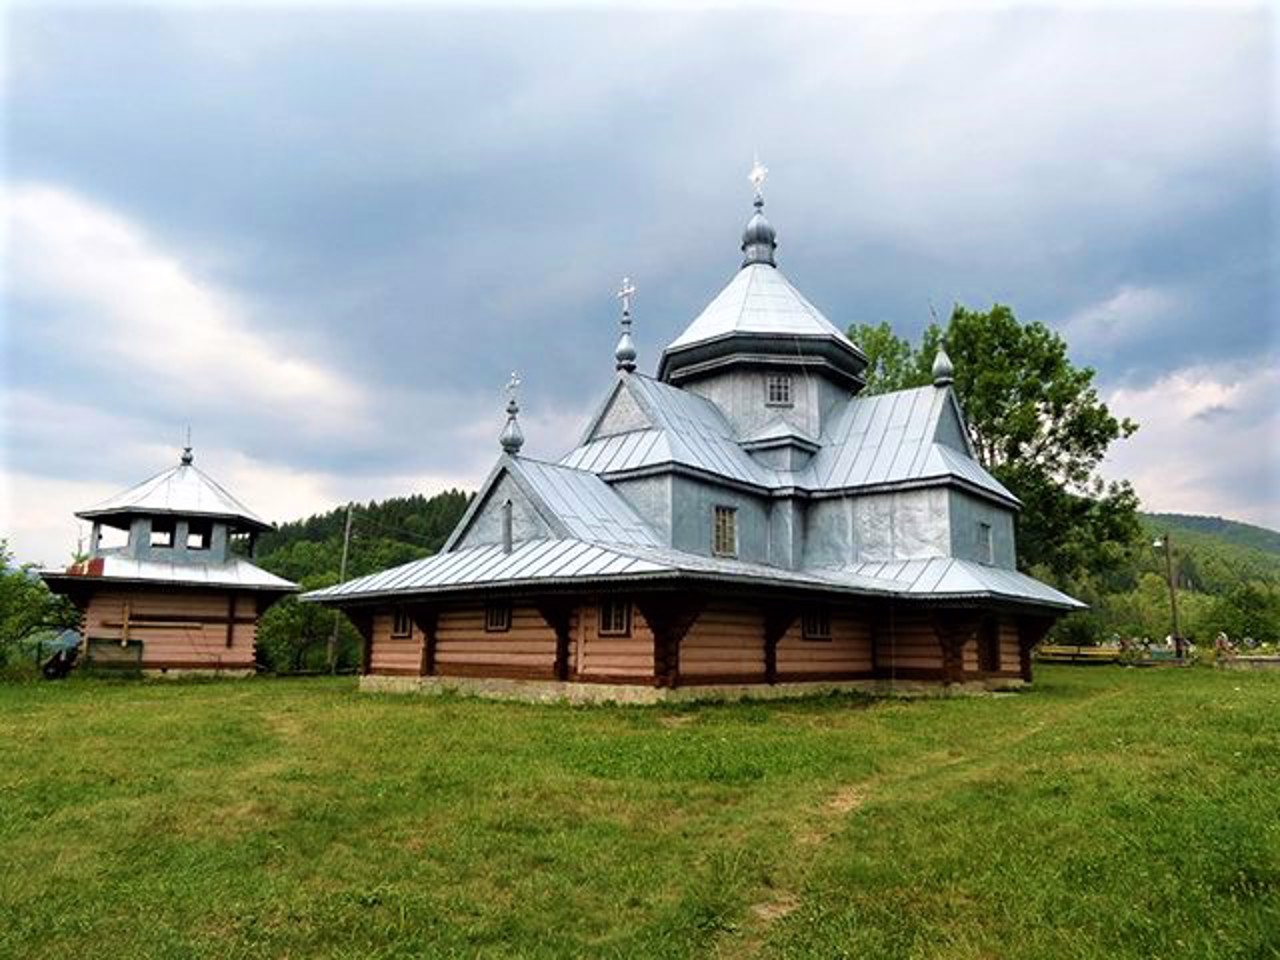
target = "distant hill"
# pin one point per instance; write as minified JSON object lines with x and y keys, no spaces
{"x":1229,"y":531}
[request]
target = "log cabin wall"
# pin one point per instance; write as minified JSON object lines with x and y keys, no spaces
{"x":907,"y":647}
{"x":611,"y":659}
{"x":1010,"y":651}
{"x":724,"y":645}
{"x":464,"y":648}
{"x":177,"y":631}
{"x":847,"y":655}
{"x":394,"y":656}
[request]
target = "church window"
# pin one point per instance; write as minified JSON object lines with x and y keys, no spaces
{"x":161,"y":533}
{"x":778,"y":390}
{"x":986,"y":548}
{"x":816,"y":624}
{"x":400,"y":623}
{"x":497,"y":617}
{"x":615,"y":618}
{"x":724,"y":539}
{"x":199,"y":535}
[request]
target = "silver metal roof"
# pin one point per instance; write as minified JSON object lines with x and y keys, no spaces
{"x":238,"y":573}
{"x":184,"y":490}
{"x":589,"y":508}
{"x":890,"y":439}
{"x":759,"y":299}
{"x":951,"y":578}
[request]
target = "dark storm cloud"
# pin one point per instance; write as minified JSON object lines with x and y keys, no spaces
{"x":422,"y":200}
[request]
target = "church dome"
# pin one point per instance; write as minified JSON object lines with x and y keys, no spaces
{"x":759,"y":240}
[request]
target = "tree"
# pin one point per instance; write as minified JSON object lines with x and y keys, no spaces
{"x":1037,"y":424}
{"x":27,"y":606}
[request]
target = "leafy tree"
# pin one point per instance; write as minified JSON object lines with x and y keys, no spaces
{"x":27,"y":607}
{"x":1037,"y":424}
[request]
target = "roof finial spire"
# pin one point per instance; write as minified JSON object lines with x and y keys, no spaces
{"x":625,"y":352}
{"x":758,"y":239}
{"x":512,"y":438}
{"x":187,"y":456}
{"x":943,"y":372}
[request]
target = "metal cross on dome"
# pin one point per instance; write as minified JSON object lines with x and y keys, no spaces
{"x":625,"y":293}
{"x":513,"y":385}
{"x":757,"y":176}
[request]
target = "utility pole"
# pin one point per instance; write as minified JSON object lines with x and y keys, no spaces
{"x":1167,"y":542}
{"x":342,"y":575}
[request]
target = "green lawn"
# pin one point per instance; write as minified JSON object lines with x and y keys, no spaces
{"x":1108,"y":813}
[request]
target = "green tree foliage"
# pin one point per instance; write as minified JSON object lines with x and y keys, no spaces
{"x":27,"y":607}
{"x":1037,"y":424}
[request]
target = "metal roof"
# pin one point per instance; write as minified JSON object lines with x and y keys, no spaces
{"x":238,"y":573}
{"x":759,"y":299}
{"x":951,"y":578}
{"x":588,"y":507}
{"x":545,"y":562}
{"x":184,"y":490}
{"x":889,"y":439}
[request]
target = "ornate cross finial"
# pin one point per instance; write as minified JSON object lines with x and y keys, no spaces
{"x":757,"y":177}
{"x":512,"y":438}
{"x":624,"y":354}
{"x":625,"y":293}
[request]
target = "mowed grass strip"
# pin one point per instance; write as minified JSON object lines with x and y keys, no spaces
{"x":1107,"y":813}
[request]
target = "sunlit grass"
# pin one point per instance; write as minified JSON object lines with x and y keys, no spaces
{"x":1108,"y":813}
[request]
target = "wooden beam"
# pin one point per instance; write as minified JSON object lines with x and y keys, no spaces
{"x":669,"y":615}
{"x":362,"y":619}
{"x":426,"y":619}
{"x":1031,"y":630}
{"x":954,"y":629}
{"x":231,"y":619}
{"x":778,"y":619}
{"x":558,"y":614}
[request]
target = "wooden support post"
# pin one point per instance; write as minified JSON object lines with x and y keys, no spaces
{"x":558,"y":613}
{"x":954,"y":629}
{"x":1031,"y":630}
{"x":426,"y":619}
{"x":362,"y":619}
{"x":231,"y":620}
{"x":778,"y":618}
{"x":669,"y":617}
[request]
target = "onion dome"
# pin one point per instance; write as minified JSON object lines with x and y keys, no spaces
{"x":624,"y":353}
{"x":512,"y":438}
{"x":759,"y":240}
{"x":943,"y":372}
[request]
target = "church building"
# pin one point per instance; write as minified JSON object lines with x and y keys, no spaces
{"x":176,"y":597}
{"x":743,"y":523}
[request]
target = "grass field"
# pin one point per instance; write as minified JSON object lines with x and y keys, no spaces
{"x":1108,"y":813}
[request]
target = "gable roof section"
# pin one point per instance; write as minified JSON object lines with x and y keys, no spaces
{"x":181,"y":490}
{"x":687,"y":429}
{"x":952,"y":578}
{"x":573,"y":503}
{"x":893,"y":438}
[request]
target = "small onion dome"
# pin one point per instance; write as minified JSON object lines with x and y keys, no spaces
{"x":187,"y":456}
{"x":625,"y":352}
{"x":512,"y":438}
{"x":943,"y":372}
{"x":759,"y":239}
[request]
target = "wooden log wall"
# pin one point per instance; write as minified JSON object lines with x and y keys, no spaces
{"x":907,"y":646}
{"x":847,"y":655}
{"x":611,"y":659}
{"x":724,"y":645}
{"x":1010,"y":656}
{"x":178,"y":631}
{"x":394,"y":656}
{"x":465,"y":649}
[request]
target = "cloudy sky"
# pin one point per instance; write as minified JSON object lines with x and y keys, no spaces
{"x":324,"y":236}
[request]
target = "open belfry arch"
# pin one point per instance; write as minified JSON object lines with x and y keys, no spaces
{"x":181,"y":594}
{"x":745,"y":521}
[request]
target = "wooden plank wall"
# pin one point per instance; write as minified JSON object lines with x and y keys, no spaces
{"x":394,"y":656}
{"x":177,"y":630}
{"x":1010,"y":652}
{"x":465,"y":649}
{"x":724,"y":645}
{"x":846,"y":655}
{"x":907,"y":645}
{"x":612,"y":659}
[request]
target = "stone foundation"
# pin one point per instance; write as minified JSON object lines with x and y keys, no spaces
{"x":182,"y":673}
{"x":552,"y":691}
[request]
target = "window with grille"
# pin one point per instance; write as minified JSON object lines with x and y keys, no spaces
{"x":615,"y":618}
{"x":777,"y":389}
{"x":724,"y":540}
{"x":497,"y":617}
{"x":816,"y":624}
{"x":401,"y":625}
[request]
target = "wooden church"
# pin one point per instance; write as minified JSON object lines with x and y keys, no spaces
{"x":177,"y":597}
{"x":745,"y":523}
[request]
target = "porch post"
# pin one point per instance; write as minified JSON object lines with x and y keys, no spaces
{"x":1031,"y":630}
{"x":426,"y":619}
{"x":778,"y":618}
{"x":558,"y":613}
{"x":954,"y":628}
{"x":669,"y":617}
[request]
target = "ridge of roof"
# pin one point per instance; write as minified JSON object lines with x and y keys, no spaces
{"x":183,"y":489}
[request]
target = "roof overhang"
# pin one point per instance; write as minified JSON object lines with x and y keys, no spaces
{"x":835,"y":357}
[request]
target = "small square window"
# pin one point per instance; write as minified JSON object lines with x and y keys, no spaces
{"x":777,"y":390}
{"x":724,"y":539}
{"x":401,"y":625}
{"x":615,"y":618}
{"x":816,"y":624}
{"x":497,"y":617}
{"x":198,"y":536}
{"x":161,"y":534}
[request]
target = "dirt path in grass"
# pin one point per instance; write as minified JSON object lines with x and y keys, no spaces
{"x":923,"y":776}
